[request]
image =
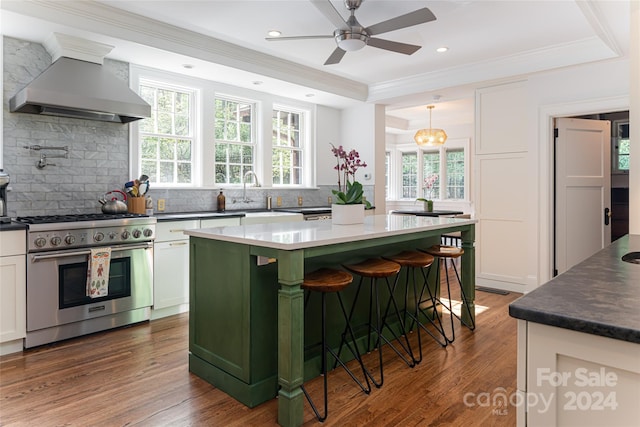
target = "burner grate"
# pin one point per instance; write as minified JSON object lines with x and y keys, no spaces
{"x":50,"y":219}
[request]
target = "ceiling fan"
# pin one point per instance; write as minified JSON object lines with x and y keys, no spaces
{"x":350,"y":35}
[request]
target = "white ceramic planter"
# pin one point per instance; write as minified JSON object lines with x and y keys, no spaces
{"x":347,"y":214}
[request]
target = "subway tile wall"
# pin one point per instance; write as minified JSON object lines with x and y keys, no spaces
{"x":98,"y":157}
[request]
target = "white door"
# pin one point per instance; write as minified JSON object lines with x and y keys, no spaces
{"x":583,"y":190}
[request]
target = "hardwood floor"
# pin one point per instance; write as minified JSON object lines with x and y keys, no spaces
{"x":138,"y":376}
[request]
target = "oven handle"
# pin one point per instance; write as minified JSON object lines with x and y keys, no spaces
{"x":87,"y":252}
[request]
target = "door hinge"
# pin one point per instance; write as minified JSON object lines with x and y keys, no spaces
{"x":555,"y":133}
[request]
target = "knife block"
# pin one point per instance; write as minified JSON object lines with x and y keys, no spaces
{"x":136,"y":205}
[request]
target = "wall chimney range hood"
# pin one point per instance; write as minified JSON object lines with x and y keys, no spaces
{"x":76,"y":85}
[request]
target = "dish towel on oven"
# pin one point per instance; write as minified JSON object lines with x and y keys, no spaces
{"x":98,"y":272}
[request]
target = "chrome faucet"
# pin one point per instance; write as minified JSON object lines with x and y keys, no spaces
{"x":244,"y":185}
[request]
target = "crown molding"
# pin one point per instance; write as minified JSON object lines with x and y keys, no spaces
{"x":568,"y":54}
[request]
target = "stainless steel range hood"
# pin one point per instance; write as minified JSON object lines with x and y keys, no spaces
{"x":76,"y":85}
{"x":80,"y":89}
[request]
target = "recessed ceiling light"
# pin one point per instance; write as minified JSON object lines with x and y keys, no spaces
{"x":258,"y":82}
{"x":442,"y":49}
{"x":187,"y":66}
{"x":310,"y":95}
{"x":274,"y":33}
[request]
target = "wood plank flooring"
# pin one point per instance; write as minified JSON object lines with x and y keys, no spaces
{"x":138,"y":376}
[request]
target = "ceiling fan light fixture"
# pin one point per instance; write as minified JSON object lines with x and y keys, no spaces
{"x":430,"y":137}
{"x":349,"y":41}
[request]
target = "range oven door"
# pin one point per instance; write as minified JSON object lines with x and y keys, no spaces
{"x":56,"y":285}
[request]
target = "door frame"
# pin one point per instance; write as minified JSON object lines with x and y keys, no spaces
{"x":546,"y":166}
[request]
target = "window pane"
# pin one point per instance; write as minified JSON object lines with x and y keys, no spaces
{"x":234,"y":174}
{"x":149,"y":148}
{"x":166,"y":172}
{"x":234,"y":140}
{"x":409,"y":175}
{"x":149,"y":169}
{"x":287,"y":150}
{"x":235,"y":153}
{"x":455,"y":174}
{"x":184,"y":173}
{"x":221,"y":153}
{"x":387,"y":160}
{"x":431,"y":175}
{"x":167,"y":149}
{"x":170,"y":117}
{"x":165,"y":124}
{"x":183,"y":150}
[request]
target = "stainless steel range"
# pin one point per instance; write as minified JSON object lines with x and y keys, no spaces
{"x":58,"y":250}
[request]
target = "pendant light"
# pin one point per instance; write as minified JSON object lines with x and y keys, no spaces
{"x":430,"y":137}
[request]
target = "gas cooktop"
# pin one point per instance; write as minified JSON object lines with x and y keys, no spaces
{"x":49,"y":219}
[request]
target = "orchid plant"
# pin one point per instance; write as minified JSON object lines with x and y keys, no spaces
{"x":350,"y":191}
{"x":428,"y":184}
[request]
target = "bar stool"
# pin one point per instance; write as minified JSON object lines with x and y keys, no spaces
{"x":450,"y":253}
{"x":412,"y":261}
{"x":376,"y":268}
{"x":329,"y":281}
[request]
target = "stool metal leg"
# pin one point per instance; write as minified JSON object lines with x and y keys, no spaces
{"x":415,"y":317}
{"x":406,"y":346}
{"x":442,"y":263}
{"x":325,"y":349}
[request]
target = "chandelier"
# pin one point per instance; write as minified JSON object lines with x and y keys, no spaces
{"x":430,"y":137}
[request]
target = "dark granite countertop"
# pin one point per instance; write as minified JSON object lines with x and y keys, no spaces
{"x":183,"y":216}
{"x":420,"y":212}
{"x":9,"y":226}
{"x":599,"y":296}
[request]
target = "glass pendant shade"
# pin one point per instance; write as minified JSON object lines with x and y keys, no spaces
{"x":430,"y":137}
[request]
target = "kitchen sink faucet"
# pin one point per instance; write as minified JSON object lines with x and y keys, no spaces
{"x":244,"y":185}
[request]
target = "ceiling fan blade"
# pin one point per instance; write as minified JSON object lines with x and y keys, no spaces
{"x":405,"y":48}
{"x":326,"y":8}
{"x":272,"y":39}
{"x":335,"y":57}
{"x":416,"y":17}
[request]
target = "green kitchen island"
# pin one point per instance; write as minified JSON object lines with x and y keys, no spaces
{"x":246,"y":320}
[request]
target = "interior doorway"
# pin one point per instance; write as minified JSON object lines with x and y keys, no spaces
{"x":591,"y":186}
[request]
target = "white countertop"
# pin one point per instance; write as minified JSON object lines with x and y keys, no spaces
{"x":309,"y":234}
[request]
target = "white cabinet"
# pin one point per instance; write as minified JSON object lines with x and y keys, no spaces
{"x":573,"y":378}
{"x":171,"y":264}
{"x":13,"y":290}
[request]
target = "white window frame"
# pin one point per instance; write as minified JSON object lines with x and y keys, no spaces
{"x":204,"y":123}
{"x":395,"y":190}
{"x":614,"y":147}
{"x":142,"y":75}
{"x":254,"y":136}
{"x":305,"y":144}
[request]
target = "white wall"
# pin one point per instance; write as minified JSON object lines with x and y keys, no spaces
{"x":328,"y":131}
{"x":525,"y":150}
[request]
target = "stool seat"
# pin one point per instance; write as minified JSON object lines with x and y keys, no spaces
{"x":374,"y":267}
{"x":327,"y":280}
{"x":450,"y":253}
{"x":443,"y":251}
{"x":413,"y":259}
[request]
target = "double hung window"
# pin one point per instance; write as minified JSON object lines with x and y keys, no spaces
{"x":435,"y":174}
{"x":234,"y":136}
{"x":287,"y":147}
{"x":167,"y":138}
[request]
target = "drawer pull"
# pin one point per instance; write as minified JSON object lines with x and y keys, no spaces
{"x":178,"y":243}
{"x":177,"y":230}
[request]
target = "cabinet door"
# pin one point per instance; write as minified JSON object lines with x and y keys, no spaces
{"x":219,"y":222}
{"x":171,"y":274}
{"x":174,"y":230}
{"x":13,"y":304}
